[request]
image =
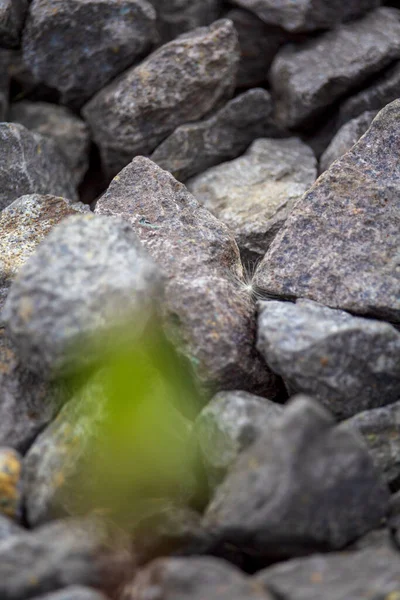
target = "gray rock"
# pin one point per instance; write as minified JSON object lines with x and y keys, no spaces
{"x":181,"y":82}
{"x":210,"y":313}
{"x":60,"y":124}
{"x":64,"y":39}
{"x":8,"y":528}
{"x":10,"y":483}
{"x":306,"y":485}
{"x":4,"y":82}
{"x":194,"y":147}
{"x":73,"y":592}
{"x":307,"y":15}
{"x":229,"y":424}
{"x":178,"y":16}
{"x":255,"y":193}
{"x":340,"y":244}
{"x":345,"y":139}
{"x":380,"y":429}
{"x":12,"y":16}
{"x":348,"y":363}
{"x":88,"y":276}
{"x":308,"y":78}
{"x":370,"y":573}
{"x":31,"y":164}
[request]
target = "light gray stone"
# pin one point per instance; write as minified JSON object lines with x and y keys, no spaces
{"x":12,"y":16}
{"x":255,"y":193}
{"x":8,"y":527}
{"x":178,"y":16}
{"x":73,"y":592}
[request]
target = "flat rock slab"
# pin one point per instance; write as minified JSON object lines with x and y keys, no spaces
{"x":255,"y":193}
{"x":309,"y":77}
{"x":348,"y":363}
{"x":194,"y":147}
{"x":31,"y":164}
{"x":12,"y":16}
{"x":340,"y":245}
{"x":64,"y":39}
{"x":181,"y":82}
{"x":178,"y":16}
{"x":307,"y":15}
{"x":305,"y":485}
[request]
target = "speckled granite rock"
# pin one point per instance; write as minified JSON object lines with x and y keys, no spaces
{"x":4,"y":82}
{"x":208,"y":311}
{"x":346,"y":137}
{"x":73,"y":592}
{"x":181,"y":82}
{"x":255,"y":193}
{"x":70,"y":132}
{"x":87,"y":276}
{"x":340,"y":244}
{"x":10,"y":483}
{"x":178,"y":16}
{"x":194,"y":147}
{"x":31,"y":164}
{"x":309,"y":77}
{"x":347,"y":363}
{"x":63,"y":39}
{"x":304,"y":486}
{"x":307,"y":15}
{"x":12,"y":16}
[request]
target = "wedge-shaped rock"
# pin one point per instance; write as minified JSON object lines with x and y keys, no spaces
{"x":348,"y":363}
{"x":304,"y":486}
{"x":309,"y":77}
{"x":177,"y":16}
{"x":340,"y":245}
{"x":194,"y":147}
{"x":78,"y":46}
{"x":181,"y":82}
{"x":12,"y":16}
{"x":255,"y":193}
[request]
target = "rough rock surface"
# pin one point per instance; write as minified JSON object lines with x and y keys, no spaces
{"x":4,"y":82}
{"x":73,"y":592}
{"x":340,"y":244}
{"x":308,"y":78}
{"x":194,"y":147}
{"x":63,"y":39}
{"x":229,"y":424}
{"x":178,"y":16}
{"x":348,"y":363}
{"x":12,"y":16}
{"x":70,"y":132}
{"x":180,"y":82}
{"x":31,"y":164}
{"x":88,"y":275}
{"x":10,"y":483}
{"x":306,"y":485}
{"x":345,"y":138}
{"x":205,"y":303}
{"x":307,"y":15}
{"x":254,"y":194}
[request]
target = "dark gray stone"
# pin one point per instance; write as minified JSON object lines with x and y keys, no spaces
{"x":307,"y":15}
{"x":306,"y":485}
{"x":308,"y":78}
{"x":10,"y":483}
{"x":178,"y":16}
{"x":88,"y":276}
{"x":371,"y":573}
{"x":77,"y":46}
{"x":181,"y":82}
{"x":8,"y":527}
{"x":73,"y":592}
{"x":209,"y":311}
{"x":339,"y":245}
{"x":12,"y":16}
{"x":345,"y":138}
{"x":31,"y":164}
{"x":4,"y":82}
{"x":69,"y":132}
{"x":348,"y":363}
{"x":194,"y":147}
{"x":254,"y":194}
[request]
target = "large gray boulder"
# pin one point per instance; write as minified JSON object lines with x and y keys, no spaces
{"x":340,"y":244}
{"x":12,"y":16}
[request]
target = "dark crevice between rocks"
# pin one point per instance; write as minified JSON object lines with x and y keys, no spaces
{"x":95,"y":182}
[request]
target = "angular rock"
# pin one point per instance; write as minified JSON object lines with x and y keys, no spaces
{"x":8,"y":528}
{"x":31,"y":164}
{"x":194,"y":147}
{"x":4,"y":82}
{"x":307,"y":15}
{"x":255,"y":193}
{"x":65,"y":293}
{"x":348,"y":363}
{"x":180,"y":82}
{"x":306,"y":485}
{"x":345,"y":138}
{"x":64,"y":39}
{"x":10,"y":483}
{"x":12,"y":16}
{"x":340,"y":244}
{"x":73,"y":592}
{"x":205,"y":303}
{"x":69,"y":132}
{"x":370,"y":573}
{"x":229,"y":424}
{"x":178,"y":16}
{"x":308,"y":78}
